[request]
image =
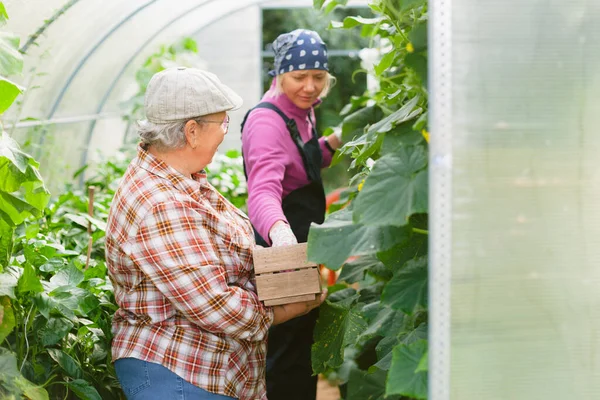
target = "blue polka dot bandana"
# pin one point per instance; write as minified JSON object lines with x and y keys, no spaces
{"x":298,"y":50}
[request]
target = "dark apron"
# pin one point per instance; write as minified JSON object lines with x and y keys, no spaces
{"x":289,"y":370}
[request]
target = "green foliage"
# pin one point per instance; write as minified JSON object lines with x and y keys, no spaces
{"x":372,"y":336}
{"x":59,"y":310}
{"x":22,"y":192}
{"x":56,"y":305}
{"x":226,"y":174}
{"x":11,"y":63}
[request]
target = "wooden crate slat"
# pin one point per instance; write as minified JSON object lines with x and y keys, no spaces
{"x":286,"y":284}
{"x":273,"y":259}
{"x":290,"y":299}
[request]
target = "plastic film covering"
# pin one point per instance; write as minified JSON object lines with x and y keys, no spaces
{"x":85,"y":50}
{"x":84,"y":64}
{"x":524,"y":224}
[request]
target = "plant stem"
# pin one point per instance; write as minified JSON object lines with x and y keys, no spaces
{"x":26,"y":322}
{"x":421,"y":231}
{"x":46,"y":25}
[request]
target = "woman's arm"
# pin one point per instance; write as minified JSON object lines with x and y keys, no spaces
{"x":265,"y":157}
{"x":178,"y":251}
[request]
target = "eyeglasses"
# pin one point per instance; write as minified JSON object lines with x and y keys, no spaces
{"x":224,"y":123}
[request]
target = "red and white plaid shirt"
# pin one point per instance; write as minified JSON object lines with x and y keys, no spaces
{"x":180,"y":259}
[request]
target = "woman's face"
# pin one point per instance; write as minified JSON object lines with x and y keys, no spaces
{"x":211,"y":132}
{"x":303,"y":87}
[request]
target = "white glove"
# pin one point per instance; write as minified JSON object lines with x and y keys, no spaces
{"x":281,"y":234}
{"x":338,"y":134}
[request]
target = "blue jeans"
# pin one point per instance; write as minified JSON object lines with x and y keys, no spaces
{"x":142,"y":380}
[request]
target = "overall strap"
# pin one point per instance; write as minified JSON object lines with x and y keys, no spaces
{"x":292,"y":128}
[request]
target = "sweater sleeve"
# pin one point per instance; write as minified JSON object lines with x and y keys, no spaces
{"x":327,"y":155}
{"x":266,"y":159}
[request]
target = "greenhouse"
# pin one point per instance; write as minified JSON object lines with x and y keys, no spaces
{"x":299,"y":199}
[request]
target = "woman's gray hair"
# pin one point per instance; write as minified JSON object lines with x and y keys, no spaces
{"x":169,"y":136}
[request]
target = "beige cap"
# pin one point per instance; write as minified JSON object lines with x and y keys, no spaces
{"x":181,"y":93}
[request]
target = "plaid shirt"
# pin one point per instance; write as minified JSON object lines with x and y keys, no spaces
{"x":180,"y":259}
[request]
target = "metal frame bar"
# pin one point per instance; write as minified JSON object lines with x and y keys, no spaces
{"x":93,"y":118}
{"x":117,"y":78}
{"x":85,"y":59}
{"x":440,"y":198}
{"x":64,"y":120}
{"x":113,"y":84}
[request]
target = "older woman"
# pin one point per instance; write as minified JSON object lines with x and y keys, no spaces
{"x":189,"y":323}
{"x":283,"y":157}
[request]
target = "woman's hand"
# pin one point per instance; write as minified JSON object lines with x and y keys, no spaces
{"x":285,"y":312}
{"x":281,"y":234}
{"x":335,"y":140}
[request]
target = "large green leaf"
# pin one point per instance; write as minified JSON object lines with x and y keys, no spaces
{"x":394,"y":258}
{"x":8,"y":283}
{"x":406,"y":5}
{"x":407,"y":290}
{"x":68,"y":276}
{"x":387,"y":344}
{"x":318,"y":4}
{"x":30,"y":391}
{"x":423,"y":364}
{"x":418,"y":63}
{"x":384,"y":352}
{"x":11,"y":380}
{"x":385,"y":63}
{"x":418,"y":36}
{"x":75,"y":299}
{"x":16,"y":208}
{"x":35,"y":193}
{"x":3,"y":14}
{"x":407,"y":112}
{"x":338,"y":238}
{"x":6,"y":243}
{"x":402,"y":135}
{"x":403,"y":377}
{"x":29,"y":281}
{"x":64,"y":304}
{"x":9,"y":150}
{"x":22,"y":192}
{"x":8,"y":321}
{"x":84,"y":390}
{"x":378,"y":324}
{"x":338,"y":326}
{"x":330,"y":5}
{"x":67,"y":363}
{"x":11,"y":59}
{"x":54,"y":331}
{"x":354,"y":124}
{"x":352,"y":21}
{"x":8,"y":93}
{"x":343,"y":297}
{"x":395,"y":189}
{"x":367,"y":385}
{"x":419,"y":333}
{"x":355,"y":270}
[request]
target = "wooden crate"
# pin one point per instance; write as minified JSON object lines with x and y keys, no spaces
{"x":283,"y":275}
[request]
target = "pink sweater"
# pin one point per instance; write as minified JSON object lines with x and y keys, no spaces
{"x":273,"y":163}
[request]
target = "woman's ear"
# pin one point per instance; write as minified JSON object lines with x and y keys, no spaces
{"x":190,"y":130}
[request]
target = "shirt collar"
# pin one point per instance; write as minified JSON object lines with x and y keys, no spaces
{"x":157,"y":167}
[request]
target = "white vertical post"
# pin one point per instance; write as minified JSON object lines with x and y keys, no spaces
{"x":440,"y":196}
